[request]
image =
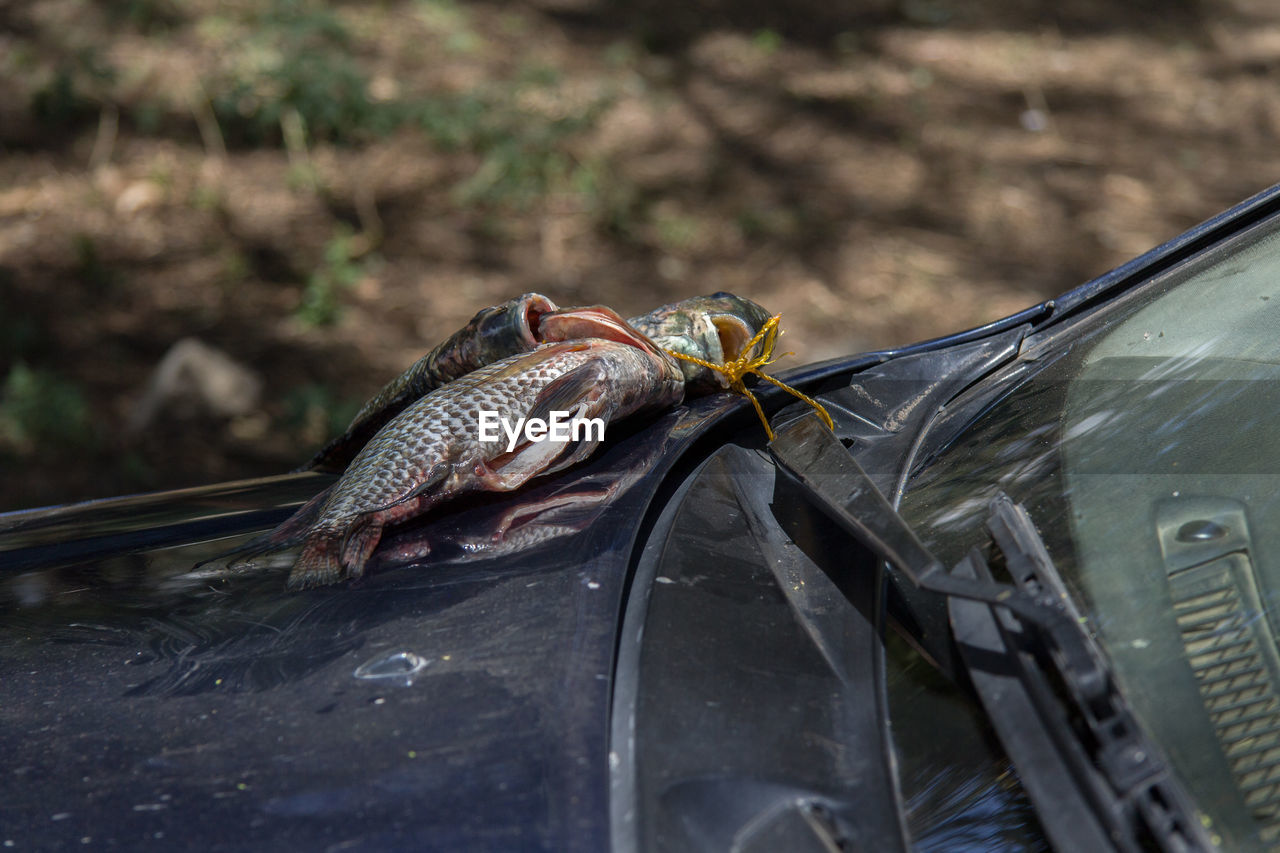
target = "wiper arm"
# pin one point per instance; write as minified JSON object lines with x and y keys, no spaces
{"x":1095,"y":777}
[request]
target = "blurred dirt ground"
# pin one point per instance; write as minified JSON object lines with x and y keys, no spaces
{"x":323,"y":191}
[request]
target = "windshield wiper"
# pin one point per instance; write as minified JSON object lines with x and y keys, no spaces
{"x":1096,"y":779}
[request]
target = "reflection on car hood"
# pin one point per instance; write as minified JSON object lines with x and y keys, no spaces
{"x":459,"y":701}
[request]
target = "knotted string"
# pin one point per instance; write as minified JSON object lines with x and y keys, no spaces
{"x":746,"y":363}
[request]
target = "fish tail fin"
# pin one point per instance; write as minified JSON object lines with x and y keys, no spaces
{"x":331,"y":554}
{"x":361,"y":542}
{"x":320,"y":562}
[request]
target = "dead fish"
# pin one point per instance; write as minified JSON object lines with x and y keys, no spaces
{"x":558,"y":510}
{"x":543,"y":513}
{"x":493,"y":334}
{"x":713,"y":328}
{"x":596,"y":367}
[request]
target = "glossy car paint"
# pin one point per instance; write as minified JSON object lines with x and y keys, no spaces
{"x":483,"y":698}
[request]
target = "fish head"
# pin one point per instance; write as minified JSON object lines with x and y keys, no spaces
{"x":713,"y":328}
{"x":512,"y":326}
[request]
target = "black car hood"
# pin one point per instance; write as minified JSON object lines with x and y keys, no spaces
{"x":460,"y":702}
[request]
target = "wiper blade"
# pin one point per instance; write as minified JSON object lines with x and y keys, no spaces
{"x":1096,"y":779}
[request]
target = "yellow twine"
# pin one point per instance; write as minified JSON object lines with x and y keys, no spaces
{"x":745,"y":363}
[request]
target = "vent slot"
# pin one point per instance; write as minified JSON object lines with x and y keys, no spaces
{"x":1229,"y":644}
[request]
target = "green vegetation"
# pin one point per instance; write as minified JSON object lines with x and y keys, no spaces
{"x":21,"y":335}
{"x":315,"y":413}
{"x":340,"y":270}
{"x":41,"y":411}
{"x":147,"y":16}
{"x":522,"y":134}
{"x":767,"y":41}
{"x":297,"y":59}
{"x":297,"y":81}
{"x":291,"y":73}
{"x":95,"y":274}
{"x":72,"y":90}
{"x":677,"y":232}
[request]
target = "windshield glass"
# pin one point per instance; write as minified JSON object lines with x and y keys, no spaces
{"x":1145,"y":449}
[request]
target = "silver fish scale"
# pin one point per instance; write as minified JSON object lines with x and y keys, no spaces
{"x":443,"y":426}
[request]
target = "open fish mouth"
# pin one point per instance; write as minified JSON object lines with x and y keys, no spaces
{"x":533,"y":307}
{"x":715,"y":328}
{"x":592,"y":321}
{"x":734,"y":334}
{"x":736,"y":320}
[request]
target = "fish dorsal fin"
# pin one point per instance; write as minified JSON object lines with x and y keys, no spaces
{"x":493,"y":334}
{"x":519,"y":364}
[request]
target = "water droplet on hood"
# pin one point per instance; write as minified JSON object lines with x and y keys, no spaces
{"x":398,"y":667}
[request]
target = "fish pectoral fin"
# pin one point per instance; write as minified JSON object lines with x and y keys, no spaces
{"x":432,"y":481}
{"x":574,"y":451}
{"x":580,"y":392}
{"x":513,"y":469}
{"x":582,"y":385}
